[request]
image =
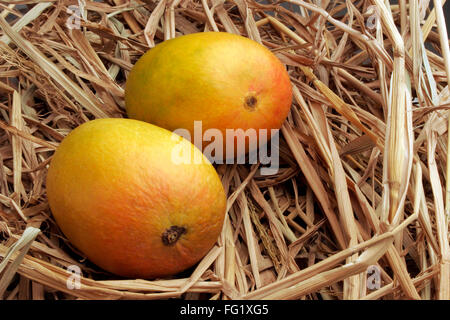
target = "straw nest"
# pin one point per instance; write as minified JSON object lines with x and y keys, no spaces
{"x":358,"y":209}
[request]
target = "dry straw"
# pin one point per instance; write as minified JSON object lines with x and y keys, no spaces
{"x":363,"y":153}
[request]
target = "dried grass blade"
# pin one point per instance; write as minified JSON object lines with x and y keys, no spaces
{"x":201,"y":268}
{"x":314,"y":283}
{"x":398,"y":160}
{"x":249,"y":21}
{"x":32,"y":14}
{"x":152,"y":23}
{"x":276,"y":226}
{"x":250,"y":239}
{"x":389,"y":288}
{"x":351,"y":284}
{"x":20,"y":248}
{"x":357,"y":145}
{"x":17,"y":123}
{"x":209,"y":15}
{"x":27,"y":136}
{"x":401,"y":272}
{"x":314,"y":181}
{"x":230,"y":261}
{"x":429,"y":23}
{"x":52,"y":70}
{"x":340,"y":105}
{"x":241,"y":187}
{"x":441,"y":219}
{"x":314,"y":126}
{"x":317,"y":268}
{"x":224,"y":18}
{"x":291,"y":236}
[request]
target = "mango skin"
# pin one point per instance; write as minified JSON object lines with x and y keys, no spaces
{"x":113,"y":190}
{"x":209,"y":77}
